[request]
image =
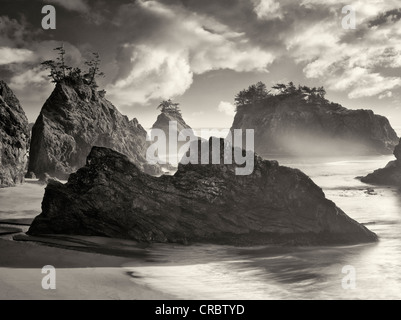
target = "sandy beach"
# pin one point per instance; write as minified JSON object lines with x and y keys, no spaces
{"x":85,"y":268}
{"x":79,"y":275}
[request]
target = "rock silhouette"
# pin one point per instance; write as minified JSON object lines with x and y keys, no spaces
{"x":390,"y":175}
{"x":305,"y":125}
{"x":14,"y":138}
{"x":73,"y":120}
{"x":111,"y":197}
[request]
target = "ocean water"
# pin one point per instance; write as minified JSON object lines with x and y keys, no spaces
{"x":275,"y":272}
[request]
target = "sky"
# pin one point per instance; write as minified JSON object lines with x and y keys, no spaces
{"x":202,"y":53}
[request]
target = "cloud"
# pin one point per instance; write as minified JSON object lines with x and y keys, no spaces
{"x":33,"y":77}
{"x":23,"y":49}
{"x":14,"y":55}
{"x":363,"y":83}
{"x":267,"y":9}
{"x":388,"y":94}
{"x":155,"y":73}
{"x":310,"y":33}
{"x":177,"y":44}
{"x":71,"y":5}
{"x":227,"y":108}
{"x":14,"y":33}
{"x":349,"y":60}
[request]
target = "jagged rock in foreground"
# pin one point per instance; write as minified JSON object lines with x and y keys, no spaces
{"x":73,"y":120}
{"x":111,"y":197}
{"x":14,"y":138}
{"x":301,"y":124}
{"x":390,"y":175}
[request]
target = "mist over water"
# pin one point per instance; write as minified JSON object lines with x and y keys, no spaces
{"x":274,"y":272}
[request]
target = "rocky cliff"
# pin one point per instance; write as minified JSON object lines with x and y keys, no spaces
{"x":164,"y":119}
{"x":305,"y":125}
{"x":390,"y":175}
{"x":111,"y":197}
{"x":73,"y":120}
{"x":172,"y":123}
{"x":14,"y":138}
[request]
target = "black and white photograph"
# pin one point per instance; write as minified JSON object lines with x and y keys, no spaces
{"x":187,"y":150}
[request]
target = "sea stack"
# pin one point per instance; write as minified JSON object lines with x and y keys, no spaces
{"x":390,"y":175}
{"x":172,"y":124}
{"x":75,"y":118}
{"x":111,"y":197}
{"x":299,"y":121}
{"x":14,"y":138}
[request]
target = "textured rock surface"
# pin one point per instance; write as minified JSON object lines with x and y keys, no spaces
{"x":163,"y":123}
{"x":71,"y":122}
{"x":290,"y":125}
{"x":390,"y":175}
{"x":111,"y":197}
{"x":165,"y":118}
{"x":14,"y":138}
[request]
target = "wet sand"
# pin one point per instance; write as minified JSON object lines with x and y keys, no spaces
{"x":79,"y":275}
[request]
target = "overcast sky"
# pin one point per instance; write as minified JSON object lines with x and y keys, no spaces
{"x":201,"y":53}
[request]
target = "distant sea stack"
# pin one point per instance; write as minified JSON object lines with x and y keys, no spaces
{"x":299,"y":121}
{"x":390,"y":175}
{"x":14,"y":138}
{"x":111,"y":197}
{"x":170,"y":121}
{"x":75,"y":118}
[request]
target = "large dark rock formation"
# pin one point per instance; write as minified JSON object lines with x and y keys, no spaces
{"x":111,"y":197}
{"x":72,"y":121}
{"x":306,"y":125}
{"x":14,"y":138}
{"x":390,"y":175}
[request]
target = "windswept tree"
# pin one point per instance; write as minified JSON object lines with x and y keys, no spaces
{"x":61,"y":61}
{"x":255,"y":93}
{"x":321,"y":92}
{"x":58,"y":69}
{"x":94,"y":69}
{"x":258,"y":92}
{"x":55,"y":75}
{"x":61,"y":72}
{"x":168,"y":106}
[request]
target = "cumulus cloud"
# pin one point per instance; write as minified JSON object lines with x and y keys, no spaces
{"x":14,"y":55}
{"x":177,"y":45}
{"x":33,"y":77}
{"x":155,"y":73}
{"x":387,"y":94}
{"x":350,"y":60}
{"x":21,"y":53}
{"x":267,"y":9}
{"x":72,"y":5}
{"x":227,"y":108}
{"x":154,"y":49}
{"x":363,"y":83}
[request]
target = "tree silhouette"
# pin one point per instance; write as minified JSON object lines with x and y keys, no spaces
{"x":168,"y":106}
{"x":254,"y":93}
{"x":257,"y":93}
{"x":60,"y":72}
{"x":94,"y":69}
